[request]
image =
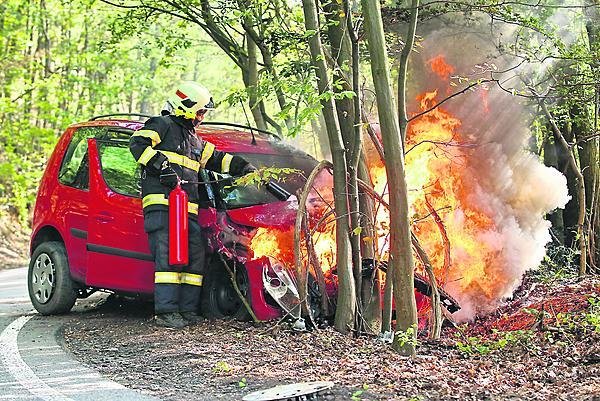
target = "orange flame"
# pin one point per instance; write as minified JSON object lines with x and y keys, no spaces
{"x":279,"y":244}
{"x":440,"y":67}
{"x":439,"y":177}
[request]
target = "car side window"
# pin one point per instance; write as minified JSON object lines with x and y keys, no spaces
{"x":74,"y":170}
{"x":119,"y":168}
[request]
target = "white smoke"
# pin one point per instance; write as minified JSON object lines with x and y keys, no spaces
{"x":508,"y":183}
{"x":516,"y":191}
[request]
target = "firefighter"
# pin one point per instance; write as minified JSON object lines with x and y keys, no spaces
{"x":168,"y":150}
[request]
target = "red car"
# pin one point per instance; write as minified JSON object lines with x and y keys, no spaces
{"x":88,"y":232}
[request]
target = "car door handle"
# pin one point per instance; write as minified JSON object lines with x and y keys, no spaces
{"x":104,"y":217}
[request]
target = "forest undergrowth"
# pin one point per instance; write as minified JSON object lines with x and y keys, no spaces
{"x":542,"y":344}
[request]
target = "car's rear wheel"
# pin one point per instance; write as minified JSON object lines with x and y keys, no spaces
{"x":49,"y":282}
{"x":220,"y":300}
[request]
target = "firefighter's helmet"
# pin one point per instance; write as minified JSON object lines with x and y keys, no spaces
{"x":189,"y":99}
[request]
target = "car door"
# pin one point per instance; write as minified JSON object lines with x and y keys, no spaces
{"x":71,"y":206}
{"x":118,"y":252}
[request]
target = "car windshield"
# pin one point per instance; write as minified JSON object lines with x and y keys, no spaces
{"x":242,"y":196}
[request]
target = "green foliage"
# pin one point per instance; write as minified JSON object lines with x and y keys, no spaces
{"x":356,"y":395}
{"x":473,"y":345}
{"x":592,"y":316}
{"x":266,"y":174}
{"x":221,"y":367}
{"x":63,"y":62}
{"x":243,"y":383}
{"x":477,"y":345}
{"x":583,"y":322}
{"x":558,"y":263}
{"x":408,"y":337}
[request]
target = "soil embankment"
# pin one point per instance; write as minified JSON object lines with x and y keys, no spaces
{"x":14,"y":243}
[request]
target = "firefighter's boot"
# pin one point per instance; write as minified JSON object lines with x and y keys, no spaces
{"x":192,"y":317}
{"x":170,"y":320}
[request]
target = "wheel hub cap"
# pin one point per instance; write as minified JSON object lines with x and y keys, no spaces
{"x":42,"y":278}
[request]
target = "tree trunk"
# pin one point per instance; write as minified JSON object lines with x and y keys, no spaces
{"x":570,"y":212}
{"x":371,"y":285}
{"x":253,"y":83}
{"x":591,"y":149}
{"x":590,"y":166}
{"x":401,"y":260}
{"x":556,"y":216}
{"x":344,"y":51}
{"x":581,"y":232}
{"x":346,"y":303}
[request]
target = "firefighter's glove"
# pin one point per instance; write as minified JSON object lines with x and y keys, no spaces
{"x":168,"y":176}
{"x":248,"y":168}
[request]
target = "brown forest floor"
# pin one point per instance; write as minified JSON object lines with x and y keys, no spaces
{"x":228,"y":359}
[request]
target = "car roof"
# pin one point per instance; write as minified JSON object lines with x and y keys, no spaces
{"x":226,"y":137}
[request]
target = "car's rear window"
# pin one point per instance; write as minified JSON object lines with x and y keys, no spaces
{"x":74,"y":170}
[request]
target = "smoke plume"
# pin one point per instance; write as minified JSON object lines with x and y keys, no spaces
{"x":496,"y":226}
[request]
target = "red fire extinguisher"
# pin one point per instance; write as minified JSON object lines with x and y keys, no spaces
{"x":178,"y":227}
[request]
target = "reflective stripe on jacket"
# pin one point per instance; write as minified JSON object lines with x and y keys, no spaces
{"x":174,"y":139}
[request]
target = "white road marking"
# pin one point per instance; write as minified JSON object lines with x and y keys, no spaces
{"x":19,"y":300}
{"x":16,"y":315}
{"x":9,"y":351}
{"x":16,"y":284}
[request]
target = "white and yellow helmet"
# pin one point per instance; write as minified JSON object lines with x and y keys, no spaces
{"x":190,"y":98}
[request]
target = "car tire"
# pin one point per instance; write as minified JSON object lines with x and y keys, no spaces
{"x":51,"y":289}
{"x":219,"y":298}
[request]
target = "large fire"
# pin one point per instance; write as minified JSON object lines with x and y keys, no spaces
{"x":472,"y":207}
{"x":279,"y":244}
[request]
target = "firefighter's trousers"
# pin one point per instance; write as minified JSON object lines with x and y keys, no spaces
{"x":176,"y":289}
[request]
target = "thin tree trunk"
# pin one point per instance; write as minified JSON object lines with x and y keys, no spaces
{"x":346,"y":304}
{"x":593,"y":30}
{"x":401,"y":260}
{"x":403,"y":69}
{"x":556,"y":216}
{"x":253,"y":83}
{"x":300,"y":221}
{"x":589,"y":163}
{"x":371,"y":286}
{"x":435,"y":324}
{"x":345,"y":53}
{"x":571,"y":210}
{"x":581,"y":232}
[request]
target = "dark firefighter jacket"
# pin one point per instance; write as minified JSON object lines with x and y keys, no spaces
{"x":173,"y":138}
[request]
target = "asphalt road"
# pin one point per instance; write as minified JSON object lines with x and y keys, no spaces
{"x":33,"y":366}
